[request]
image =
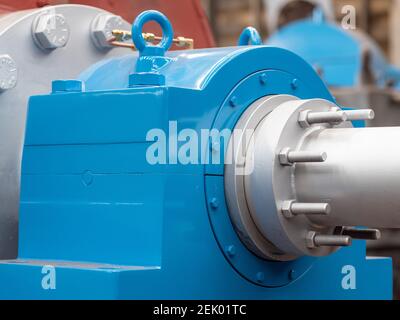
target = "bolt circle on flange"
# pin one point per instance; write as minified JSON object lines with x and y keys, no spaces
{"x":245,"y":262}
{"x":231,"y":251}
{"x":50,"y":31}
{"x":8,"y":73}
{"x":263,"y":78}
{"x":233,"y":102}
{"x":214,"y":203}
{"x":102,"y":27}
{"x":294,"y":84}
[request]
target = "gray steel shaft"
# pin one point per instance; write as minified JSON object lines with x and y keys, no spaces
{"x":360,"y":178}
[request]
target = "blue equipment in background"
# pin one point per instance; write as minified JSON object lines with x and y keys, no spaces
{"x":342,"y":56}
{"x":98,"y":221}
{"x":350,"y":63}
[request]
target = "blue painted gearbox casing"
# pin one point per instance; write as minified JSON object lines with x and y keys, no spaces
{"x":115,"y":227}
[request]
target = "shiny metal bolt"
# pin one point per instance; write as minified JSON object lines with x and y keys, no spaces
{"x":292,"y":208}
{"x":102,"y":27}
{"x":8,"y":73}
{"x":308,"y":118}
{"x":50,"y":31}
{"x":287,"y":157}
{"x":363,"y":114}
{"x":314,"y":240}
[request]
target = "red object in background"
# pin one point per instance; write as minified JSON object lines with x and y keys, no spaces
{"x":187,"y":16}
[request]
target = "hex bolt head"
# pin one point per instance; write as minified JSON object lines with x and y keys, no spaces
{"x":263,"y":78}
{"x":233,"y":102}
{"x":260,"y":276}
{"x":214,"y":203}
{"x":50,"y":31}
{"x":310,"y":239}
{"x":294,"y":84}
{"x":8,"y":73}
{"x":303,"y":116}
{"x":231,"y":251}
{"x":102,"y":27}
{"x":287,"y":208}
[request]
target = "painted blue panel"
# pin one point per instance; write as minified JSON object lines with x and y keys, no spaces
{"x":95,"y":117}
{"x":107,"y":218}
{"x":192,"y":265}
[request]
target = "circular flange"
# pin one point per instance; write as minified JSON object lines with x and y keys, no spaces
{"x":235,"y":177}
{"x":270,"y":183}
{"x":250,"y":266}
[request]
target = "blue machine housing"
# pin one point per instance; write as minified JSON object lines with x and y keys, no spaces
{"x":337,"y":52}
{"x":114,"y":226}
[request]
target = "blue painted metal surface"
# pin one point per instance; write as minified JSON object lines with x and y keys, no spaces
{"x":337,"y":52}
{"x":249,"y":36}
{"x":67,"y":86}
{"x":320,"y":43}
{"x":151,"y":57}
{"x":114,"y":226}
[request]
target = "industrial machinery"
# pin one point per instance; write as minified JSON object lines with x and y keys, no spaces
{"x":357,"y":74}
{"x":282,"y":12}
{"x":37,"y":46}
{"x":188,"y":16}
{"x":224,"y":173}
{"x":39,"y":43}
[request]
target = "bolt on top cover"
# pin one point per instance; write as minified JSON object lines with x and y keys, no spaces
{"x":50,"y":31}
{"x":102,"y":28}
{"x":8,"y":73}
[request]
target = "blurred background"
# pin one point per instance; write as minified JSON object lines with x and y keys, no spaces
{"x":380,"y":19}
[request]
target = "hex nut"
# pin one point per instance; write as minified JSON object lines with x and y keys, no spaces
{"x":303,"y":115}
{"x":284,"y":157}
{"x":310,"y":239}
{"x":287,"y":209}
